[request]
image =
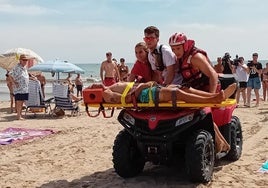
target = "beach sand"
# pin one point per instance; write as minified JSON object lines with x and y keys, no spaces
{"x":80,"y":155}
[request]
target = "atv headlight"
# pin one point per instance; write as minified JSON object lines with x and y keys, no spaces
{"x":129,"y":118}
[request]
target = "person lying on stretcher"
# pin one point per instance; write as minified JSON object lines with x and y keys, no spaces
{"x":113,"y":93}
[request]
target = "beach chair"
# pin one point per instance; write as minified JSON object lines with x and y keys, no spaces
{"x":36,"y":102}
{"x":62,"y":99}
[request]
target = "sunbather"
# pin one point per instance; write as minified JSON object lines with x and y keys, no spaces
{"x":113,"y":93}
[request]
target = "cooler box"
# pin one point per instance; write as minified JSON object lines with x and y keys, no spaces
{"x":222,"y":116}
{"x":92,"y":96}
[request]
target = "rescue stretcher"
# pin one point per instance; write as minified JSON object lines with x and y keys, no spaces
{"x":93,"y":98}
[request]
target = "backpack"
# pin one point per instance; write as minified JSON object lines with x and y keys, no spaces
{"x":159,"y":59}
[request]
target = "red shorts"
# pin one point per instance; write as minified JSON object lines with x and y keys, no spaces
{"x":108,"y":81}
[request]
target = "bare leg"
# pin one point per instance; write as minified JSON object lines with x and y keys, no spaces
{"x":165,"y":95}
{"x":249,"y":89}
{"x":19,"y":105}
{"x":11,"y":102}
{"x":257,"y":94}
{"x":228,"y":91}
{"x":221,"y":143}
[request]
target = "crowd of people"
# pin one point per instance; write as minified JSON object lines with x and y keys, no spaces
{"x":250,"y":76}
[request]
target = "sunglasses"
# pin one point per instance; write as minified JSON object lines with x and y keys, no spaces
{"x":24,"y":60}
{"x":149,"y":38}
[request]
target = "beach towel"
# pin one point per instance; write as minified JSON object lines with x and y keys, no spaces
{"x":11,"y":135}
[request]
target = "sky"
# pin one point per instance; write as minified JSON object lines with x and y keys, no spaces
{"x":82,"y":31}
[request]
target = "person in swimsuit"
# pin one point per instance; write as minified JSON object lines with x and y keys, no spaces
{"x":79,"y":85}
{"x":265,"y":82}
{"x":109,"y":70}
{"x":42,"y":80}
{"x":113,"y":93}
{"x":123,"y":70}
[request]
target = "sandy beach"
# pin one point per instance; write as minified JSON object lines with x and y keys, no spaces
{"x":80,"y":155}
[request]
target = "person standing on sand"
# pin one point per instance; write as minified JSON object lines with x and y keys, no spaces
{"x":109,"y":71}
{"x":123,"y":70}
{"x":241,"y":71}
{"x":20,"y":80}
{"x":78,"y":85}
{"x":265,"y":82}
{"x":219,"y":67}
{"x":11,"y":93}
{"x":42,"y":80}
{"x":254,"y":81}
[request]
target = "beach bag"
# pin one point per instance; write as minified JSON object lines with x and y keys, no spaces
{"x":59,"y":112}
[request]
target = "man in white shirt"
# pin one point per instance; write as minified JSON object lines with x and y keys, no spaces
{"x":161,"y":58}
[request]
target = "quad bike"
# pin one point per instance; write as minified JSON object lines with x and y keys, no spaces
{"x":159,"y":136}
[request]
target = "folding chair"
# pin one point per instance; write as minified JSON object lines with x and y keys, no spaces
{"x":36,"y":100}
{"x":62,"y":99}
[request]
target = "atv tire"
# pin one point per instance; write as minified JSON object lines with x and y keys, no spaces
{"x":200,"y":156}
{"x":127,"y":159}
{"x":236,"y":140}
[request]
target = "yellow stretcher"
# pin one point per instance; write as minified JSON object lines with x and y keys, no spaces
{"x":93,"y":98}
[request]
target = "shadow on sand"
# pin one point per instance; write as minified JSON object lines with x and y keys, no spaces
{"x":152,"y":177}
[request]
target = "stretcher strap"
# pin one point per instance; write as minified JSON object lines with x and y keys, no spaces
{"x":123,"y":97}
{"x":151,"y":101}
{"x":156,"y":102}
{"x":174,"y":98}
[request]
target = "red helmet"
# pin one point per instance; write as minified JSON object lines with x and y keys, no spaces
{"x":177,"y":39}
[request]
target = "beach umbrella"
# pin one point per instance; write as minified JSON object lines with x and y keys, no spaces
{"x":11,"y":57}
{"x":57,"y":66}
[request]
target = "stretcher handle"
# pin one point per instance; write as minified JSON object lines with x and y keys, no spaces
{"x":101,"y":109}
{"x":104,"y":114}
{"x":90,"y":115}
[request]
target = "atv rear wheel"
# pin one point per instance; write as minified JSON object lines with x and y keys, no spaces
{"x":200,"y":157}
{"x":236,"y":139}
{"x":127,"y":158}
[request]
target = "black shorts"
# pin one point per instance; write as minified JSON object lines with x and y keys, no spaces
{"x":79,"y":87}
{"x":21,"y":96}
{"x":242,"y":84}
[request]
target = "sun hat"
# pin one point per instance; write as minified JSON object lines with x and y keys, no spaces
{"x":23,"y":57}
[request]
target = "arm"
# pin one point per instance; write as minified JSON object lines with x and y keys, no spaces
{"x":131,"y":77}
{"x":200,"y":62}
{"x":101,"y":72}
{"x":156,"y":76}
{"x":142,"y":86}
{"x":170,"y":75}
{"x":117,"y":71}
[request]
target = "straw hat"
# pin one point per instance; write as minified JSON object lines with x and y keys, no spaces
{"x":23,"y":57}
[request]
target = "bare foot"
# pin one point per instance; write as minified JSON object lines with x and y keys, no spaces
{"x":230,"y":90}
{"x":219,"y":97}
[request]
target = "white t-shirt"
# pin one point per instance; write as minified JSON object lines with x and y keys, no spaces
{"x":169,"y":58}
{"x":241,"y":74}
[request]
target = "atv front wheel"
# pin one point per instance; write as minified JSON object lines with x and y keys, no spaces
{"x":127,"y":159}
{"x":199,"y":156}
{"x":236,"y":139}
